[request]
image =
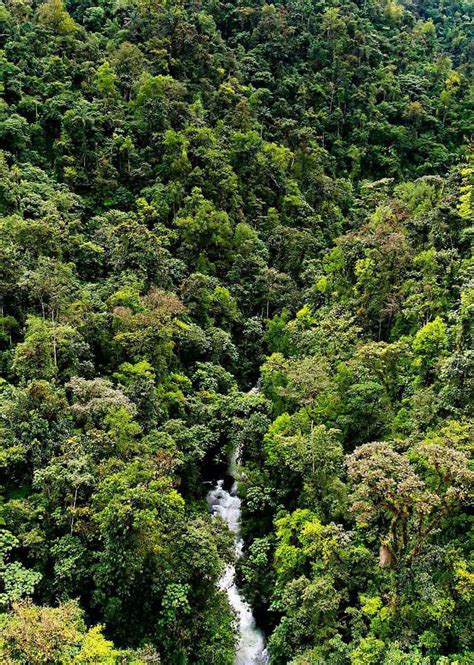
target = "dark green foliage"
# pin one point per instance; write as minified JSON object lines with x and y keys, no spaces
{"x":193,"y":195}
{"x":369,"y":549}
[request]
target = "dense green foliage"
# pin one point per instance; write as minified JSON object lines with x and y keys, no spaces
{"x":356,"y":502}
{"x":193,"y":196}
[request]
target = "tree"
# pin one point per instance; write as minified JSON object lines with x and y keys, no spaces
{"x":429,"y":344}
{"x":390,"y":492}
{"x":33,"y":634}
{"x":17,"y":581}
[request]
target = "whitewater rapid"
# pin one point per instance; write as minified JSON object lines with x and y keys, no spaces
{"x":251,"y":644}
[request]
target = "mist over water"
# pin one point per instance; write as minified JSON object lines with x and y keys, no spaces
{"x":251,"y":644}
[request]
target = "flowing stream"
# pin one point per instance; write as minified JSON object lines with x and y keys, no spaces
{"x":251,"y":644}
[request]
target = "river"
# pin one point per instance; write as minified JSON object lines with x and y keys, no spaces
{"x":251,"y":643}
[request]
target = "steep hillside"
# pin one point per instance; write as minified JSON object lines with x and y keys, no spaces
{"x":194,"y":197}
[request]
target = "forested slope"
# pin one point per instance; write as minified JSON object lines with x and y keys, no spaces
{"x":195,"y":197}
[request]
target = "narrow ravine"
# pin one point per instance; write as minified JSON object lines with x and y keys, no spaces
{"x":251,"y":643}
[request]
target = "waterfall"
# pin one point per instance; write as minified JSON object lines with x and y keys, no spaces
{"x":251,"y":644}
